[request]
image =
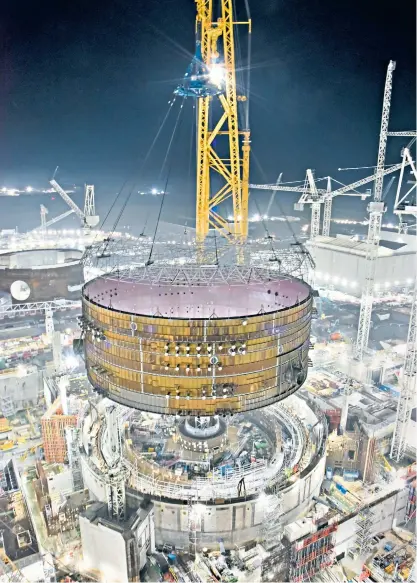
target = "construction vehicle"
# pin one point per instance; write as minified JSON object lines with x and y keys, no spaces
{"x":8,"y":445}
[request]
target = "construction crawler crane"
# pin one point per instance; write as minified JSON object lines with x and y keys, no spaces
{"x":88,"y":217}
{"x":211,"y":77}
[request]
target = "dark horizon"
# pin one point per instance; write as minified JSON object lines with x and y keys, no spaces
{"x":85,"y":87}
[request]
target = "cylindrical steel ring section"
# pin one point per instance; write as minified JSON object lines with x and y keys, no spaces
{"x":145,"y":347}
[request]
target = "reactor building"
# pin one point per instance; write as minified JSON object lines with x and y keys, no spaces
{"x":203,"y":363}
{"x":199,"y":341}
{"x":39,"y":275}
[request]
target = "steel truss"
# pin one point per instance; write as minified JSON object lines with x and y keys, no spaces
{"x":364,"y":525}
{"x":376,"y":210}
{"x":198,"y":275}
{"x":407,"y":385}
{"x":116,"y":254}
{"x":406,"y":204}
{"x":54,"y":305}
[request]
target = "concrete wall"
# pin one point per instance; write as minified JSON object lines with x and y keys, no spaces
{"x":103,"y":550}
{"x":352,"y":268}
{"x":235,"y":523}
{"x":92,"y":482}
{"x":23,"y":389}
{"x":384,"y":515}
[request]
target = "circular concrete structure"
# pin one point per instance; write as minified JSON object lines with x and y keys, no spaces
{"x":196,"y":340}
{"x":294,"y":467}
{"x":197,"y":437}
{"x":40,"y":275}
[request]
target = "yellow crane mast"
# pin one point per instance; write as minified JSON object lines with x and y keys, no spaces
{"x":211,"y":79}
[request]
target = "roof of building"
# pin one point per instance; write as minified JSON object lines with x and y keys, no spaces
{"x":18,"y":533}
{"x":390,"y":244}
{"x":97,"y":513}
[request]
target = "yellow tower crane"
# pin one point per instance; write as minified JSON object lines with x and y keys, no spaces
{"x":212,"y":77}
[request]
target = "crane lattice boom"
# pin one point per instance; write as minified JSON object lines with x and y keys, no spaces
{"x":234,"y":170}
{"x":376,"y":211}
{"x":408,"y":386}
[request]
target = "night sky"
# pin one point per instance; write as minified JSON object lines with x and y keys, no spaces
{"x":85,"y":85}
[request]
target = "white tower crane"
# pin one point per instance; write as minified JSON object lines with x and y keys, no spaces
{"x":55,"y":338}
{"x":89,"y":203}
{"x":271,"y":199}
{"x":376,"y":210}
{"x":327,"y":213}
{"x":406,"y":204}
{"x":315,"y":219}
{"x":408,"y":386}
{"x":44,"y":212}
{"x":326,"y":196}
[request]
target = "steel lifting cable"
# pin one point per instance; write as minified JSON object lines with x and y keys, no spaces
{"x":177,"y":123}
{"x":268,"y":235}
{"x":276,"y":201}
{"x":193,"y":121}
{"x":171,"y":103}
{"x":158,"y":133}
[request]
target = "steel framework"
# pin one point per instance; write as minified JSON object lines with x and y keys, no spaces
{"x":89,"y":203}
{"x":406,"y":204}
{"x":29,"y":307}
{"x":234,"y":171}
{"x":376,"y":210}
{"x":364,"y":525}
{"x":74,"y":457}
{"x":408,"y":386}
{"x":117,"y":472}
{"x":327,"y":211}
{"x":317,"y":196}
{"x":201,"y":275}
{"x":67,"y":199}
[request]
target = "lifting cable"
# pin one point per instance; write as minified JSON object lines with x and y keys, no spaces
{"x":268,"y":235}
{"x":151,"y":147}
{"x":297,"y":242}
{"x":193,"y":122}
{"x":177,"y":124}
{"x":276,"y":200}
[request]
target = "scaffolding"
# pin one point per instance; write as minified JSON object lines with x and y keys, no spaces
{"x":194,"y":526}
{"x":74,"y":457}
{"x":313,"y":554}
{"x":411,"y":502}
{"x":364,"y":525}
{"x":275,"y":563}
{"x":116,"y":494}
{"x":8,"y":478}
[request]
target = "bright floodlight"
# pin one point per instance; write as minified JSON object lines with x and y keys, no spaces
{"x":217,"y":74}
{"x":71,"y":361}
{"x":154,"y":191}
{"x":21,"y":370}
{"x":29,"y":189}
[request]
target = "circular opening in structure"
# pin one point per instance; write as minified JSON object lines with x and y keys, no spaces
{"x":20,"y":290}
{"x":198,"y":294}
